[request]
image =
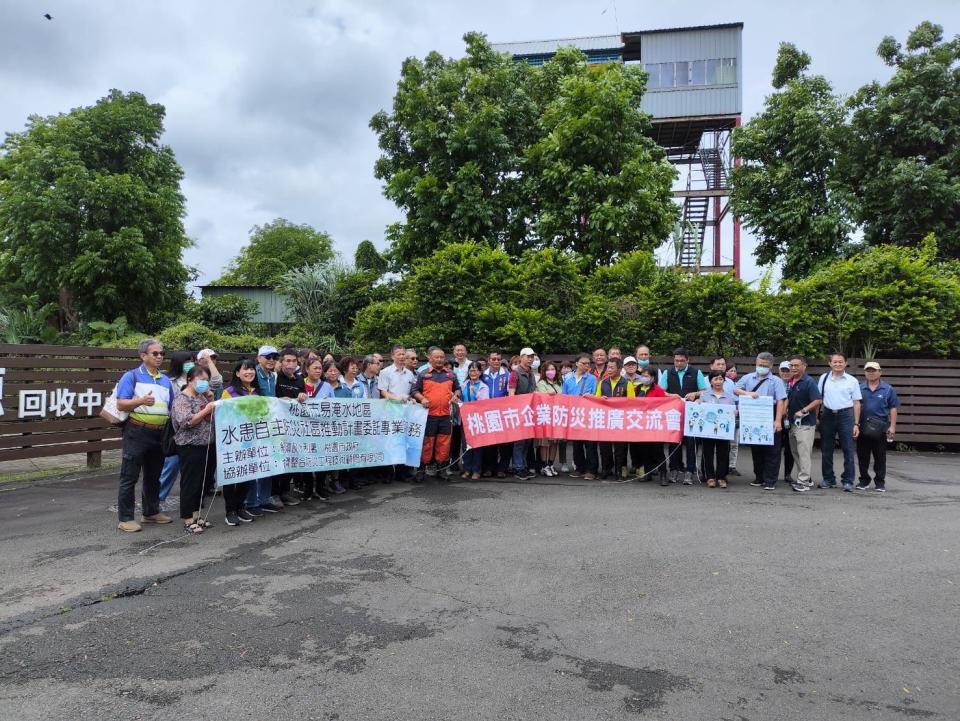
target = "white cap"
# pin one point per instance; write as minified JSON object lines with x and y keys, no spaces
{"x":205,"y":352}
{"x":527,"y":351}
{"x":784,"y":365}
{"x":267,"y":350}
{"x":630,"y":359}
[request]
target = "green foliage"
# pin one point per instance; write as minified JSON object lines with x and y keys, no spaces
{"x":229,"y":313}
{"x":902,"y":161}
{"x":485,"y":149}
{"x":367,"y":257}
{"x":91,"y":213}
{"x":786,"y":190}
{"x":274,"y":249}
{"x":103,"y":333}
{"x":27,"y":321}
{"x":189,"y":336}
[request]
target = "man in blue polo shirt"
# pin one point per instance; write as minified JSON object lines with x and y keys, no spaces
{"x":496,"y":458}
{"x":582,"y":382}
{"x":803,"y":401}
{"x":764,"y":382}
{"x":878,"y":426}
{"x":146,"y":394}
{"x":687,"y":383}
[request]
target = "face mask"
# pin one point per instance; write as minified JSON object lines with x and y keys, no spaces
{"x":646,"y":381}
{"x":203,"y":385}
{"x":567,"y":374}
{"x":644,"y":362}
{"x":515,"y":366}
{"x":761,"y":371}
{"x":732,"y":375}
{"x":535,"y":364}
{"x":187,"y":367}
{"x":551,"y":374}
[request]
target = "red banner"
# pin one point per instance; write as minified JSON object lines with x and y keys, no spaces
{"x":577,"y":418}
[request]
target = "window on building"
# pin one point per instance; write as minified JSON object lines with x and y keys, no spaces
{"x":711,"y":71}
{"x":727,"y":74}
{"x":698,"y":72}
{"x":682,"y":74}
{"x":666,"y":75}
{"x":653,"y":71}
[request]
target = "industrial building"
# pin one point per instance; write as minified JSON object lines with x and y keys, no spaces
{"x":694,"y":95}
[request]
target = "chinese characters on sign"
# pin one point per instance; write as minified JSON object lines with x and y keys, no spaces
{"x":259,"y":437}
{"x":58,"y":402}
{"x":539,"y":415}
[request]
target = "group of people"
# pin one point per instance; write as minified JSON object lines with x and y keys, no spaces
{"x":860,"y":416}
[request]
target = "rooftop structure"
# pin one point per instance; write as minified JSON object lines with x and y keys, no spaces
{"x":694,"y":95}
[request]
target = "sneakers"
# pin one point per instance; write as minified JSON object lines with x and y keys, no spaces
{"x":129,"y":526}
{"x":548,"y":471}
{"x":158,"y":518}
{"x":255,"y":512}
{"x":848,"y":488}
{"x":768,"y":487}
{"x":524,"y":474}
{"x":244,"y":516}
{"x":688,"y":479}
{"x":576,"y":474}
{"x":862,"y":487}
{"x":733,"y":472}
{"x":289,"y":499}
{"x":232,"y":519}
{"x":879,"y":489}
{"x":756,"y":483}
{"x":825,"y":484}
{"x":664,"y":481}
{"x":432,"y":470}
{"x":270,"y":508}
{"x":674,"y":476}
{"x":800,"y":487}
{"x":338,"y":488}
{"x":564,"y":468}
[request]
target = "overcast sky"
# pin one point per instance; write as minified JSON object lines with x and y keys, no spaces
{"x":268,"y":103}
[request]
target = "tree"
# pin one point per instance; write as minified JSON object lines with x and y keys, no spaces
{"x":902,"y":162}
{"x":367,"y":257}
{"x":91,"y":214}
{"x":274,"y":249}
{"x":228,"y":313}
{"x":485,"y":149}
{"x":786,"y":190}
{"x":601,"y":184}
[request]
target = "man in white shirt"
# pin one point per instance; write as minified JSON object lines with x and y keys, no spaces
{"x":394,"y":383}
{"x":460,"y":366}
{"x":840,"y":416}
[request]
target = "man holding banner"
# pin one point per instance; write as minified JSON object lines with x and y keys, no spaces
{"x":435,"y":389}
{"x":762,"y":401}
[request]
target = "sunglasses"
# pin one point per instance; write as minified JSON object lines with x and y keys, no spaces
{"x":155,"y":353}
{"x":273,"y":356}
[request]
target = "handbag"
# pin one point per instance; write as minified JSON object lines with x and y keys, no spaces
{"x":874,"y":427}
{"x":167,"y":440}
{"x":110,"y":413}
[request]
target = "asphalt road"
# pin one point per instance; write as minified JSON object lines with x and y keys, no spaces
{"x":551,"y":599}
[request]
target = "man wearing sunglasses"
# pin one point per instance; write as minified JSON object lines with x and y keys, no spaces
{"x":146,"y":394}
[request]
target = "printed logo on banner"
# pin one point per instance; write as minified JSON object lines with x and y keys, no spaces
{"x":709,"y":420}
{"x":258,"y":437}
{"x":756,"y":421}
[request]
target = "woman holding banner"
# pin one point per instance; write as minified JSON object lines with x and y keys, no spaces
{"x":716,"y":452}
{"x":475,"y":389}
{"x":192,"y":418}
{"x":243,"y":383}
{"x":549,"y":383}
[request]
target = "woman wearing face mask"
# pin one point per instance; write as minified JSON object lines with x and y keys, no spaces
{"x":243,"y":383}
{"x":549,"y":383}
{"x":650,"y":455}
{"x":328,"y":389}
{"x":318,"y":483}
{"x":731,"y":375}
{"x":192,"y":418}
{"x":474,"y":390}
{"x":180,"y":363}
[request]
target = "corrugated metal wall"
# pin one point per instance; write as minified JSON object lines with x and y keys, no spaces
{"x":272,"y":306}
{"x":688,"y":45}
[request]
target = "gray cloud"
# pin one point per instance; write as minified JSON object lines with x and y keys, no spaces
{"x":268,"y":103}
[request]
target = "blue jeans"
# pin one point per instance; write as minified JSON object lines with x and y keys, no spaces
{"x":168,"y":476}
{"x":833,"y":424}
{"x":259,"y":493}
{"x":473,"y":460}
{"x":520,"y":455}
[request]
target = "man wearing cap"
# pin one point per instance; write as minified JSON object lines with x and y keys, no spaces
{"x":786,"y":376}
{"x":840,"y":416}
{"x":260,"y":496}
{"x":521,"y":382}
{"x":803,"y":400}
{"x":878,"y":426}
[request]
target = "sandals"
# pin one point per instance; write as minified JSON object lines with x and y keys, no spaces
{"x":711,"y":483}
{"x":475,"y":477}
{"x":722,"y":483}
{"x":465,"y":475}
{"x":203,"y":523}
{"x":193,"y":529}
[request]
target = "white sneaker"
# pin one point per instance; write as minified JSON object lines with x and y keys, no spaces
{"x":564,"y":468}
{"x":547,"y":471}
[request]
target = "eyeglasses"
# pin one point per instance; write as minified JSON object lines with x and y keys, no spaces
{"x":273,"y":356}
{"x":155,"y":353}
{"x":871,"y":370}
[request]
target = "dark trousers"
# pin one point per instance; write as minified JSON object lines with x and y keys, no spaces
{"x":496,"y":458}
{"x":787,"y":456}
{"x":834,"y":424}
{"x":281,"y":483}
{"x":876,"y":447}
{"x":141,"y":452}
{"x":585,"y":456}
{"x":613,"y":457}
{"x":687,"y":446}
{"x":716,"y":458}
{"x":234,"y":495}
{"x":648,"y":456}
{"x":473,"y":460}
{"x":766,"y":461}
{"x":198,"y":465}
{"x":456,"y":443}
